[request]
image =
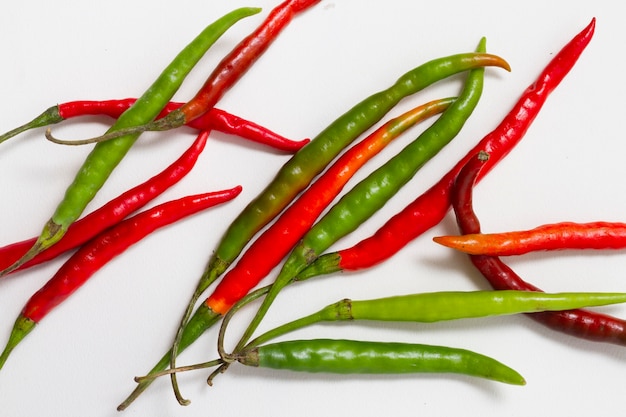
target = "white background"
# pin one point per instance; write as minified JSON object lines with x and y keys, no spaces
{"x":570,"y":166}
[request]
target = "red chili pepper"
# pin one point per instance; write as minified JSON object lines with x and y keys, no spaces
{"x":431,"y":207}
{"x":214,"y":119}
{"x":224,"y":76}
{"x":580,"y":323}
{"x":557,"y":236}
{"x":111,"y":213}
{"x":100,"y":250}
{"x":234,"y":125}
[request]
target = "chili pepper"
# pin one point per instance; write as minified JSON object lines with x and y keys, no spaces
{"x":111,"y":213}
{"x":298,"y":172}
{"x":231,"y":124}
{"x":585,"y":324}
{"x":557,"y":236}
{"x":434,"y":307}
{"x":214,"y":119}
{"x":100,"y":250}
{"x":340,"y":356}
{"x":227,"y":72}
{"x":103,"y":159}
{"x":362,"y":200}
{"x":364,"y":357}
{"x":431,"y":207}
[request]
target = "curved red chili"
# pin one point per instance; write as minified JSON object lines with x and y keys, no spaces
{"x":111,"y":213}
{"x":580,"y":323}
{"x":431,"y":207}
{"x":214,"y":119}
{"x":100,"y":250}
{"x":556,"y":236}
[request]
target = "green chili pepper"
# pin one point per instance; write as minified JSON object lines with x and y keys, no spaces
{"x":435,"y":307}
{"x":364,"y":357}
{"x":107,"y":155}
{"x":373,"y":192}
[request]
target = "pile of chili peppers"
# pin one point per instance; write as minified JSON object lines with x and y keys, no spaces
{"x":304,"y":210}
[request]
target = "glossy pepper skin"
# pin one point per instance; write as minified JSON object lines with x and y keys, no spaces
{"x":555,"y":236}
{"x":432,"y":206}
{"x":581,"y":323}
{"x":106,"y":156}
{"x":364,"y":357}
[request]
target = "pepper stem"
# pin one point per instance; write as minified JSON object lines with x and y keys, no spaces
{"x":51,"y":234}
{"x":325,"y":264}
{"x":48,"y":117}
{"x":202,"y":319}
{"x":203,"y":365}
{"x":21,"y":328}
{"x":215,"y":268}
{"x":173,"y":120}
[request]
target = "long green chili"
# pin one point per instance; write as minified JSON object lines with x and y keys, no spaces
{"x":440,"y":306}
{"x":341,"y":356}
{"x":365,"y":357}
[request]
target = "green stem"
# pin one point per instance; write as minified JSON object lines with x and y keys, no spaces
{"x":48,"y":117}
{"x":323,"y":265}
{"x":21,"y":328}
